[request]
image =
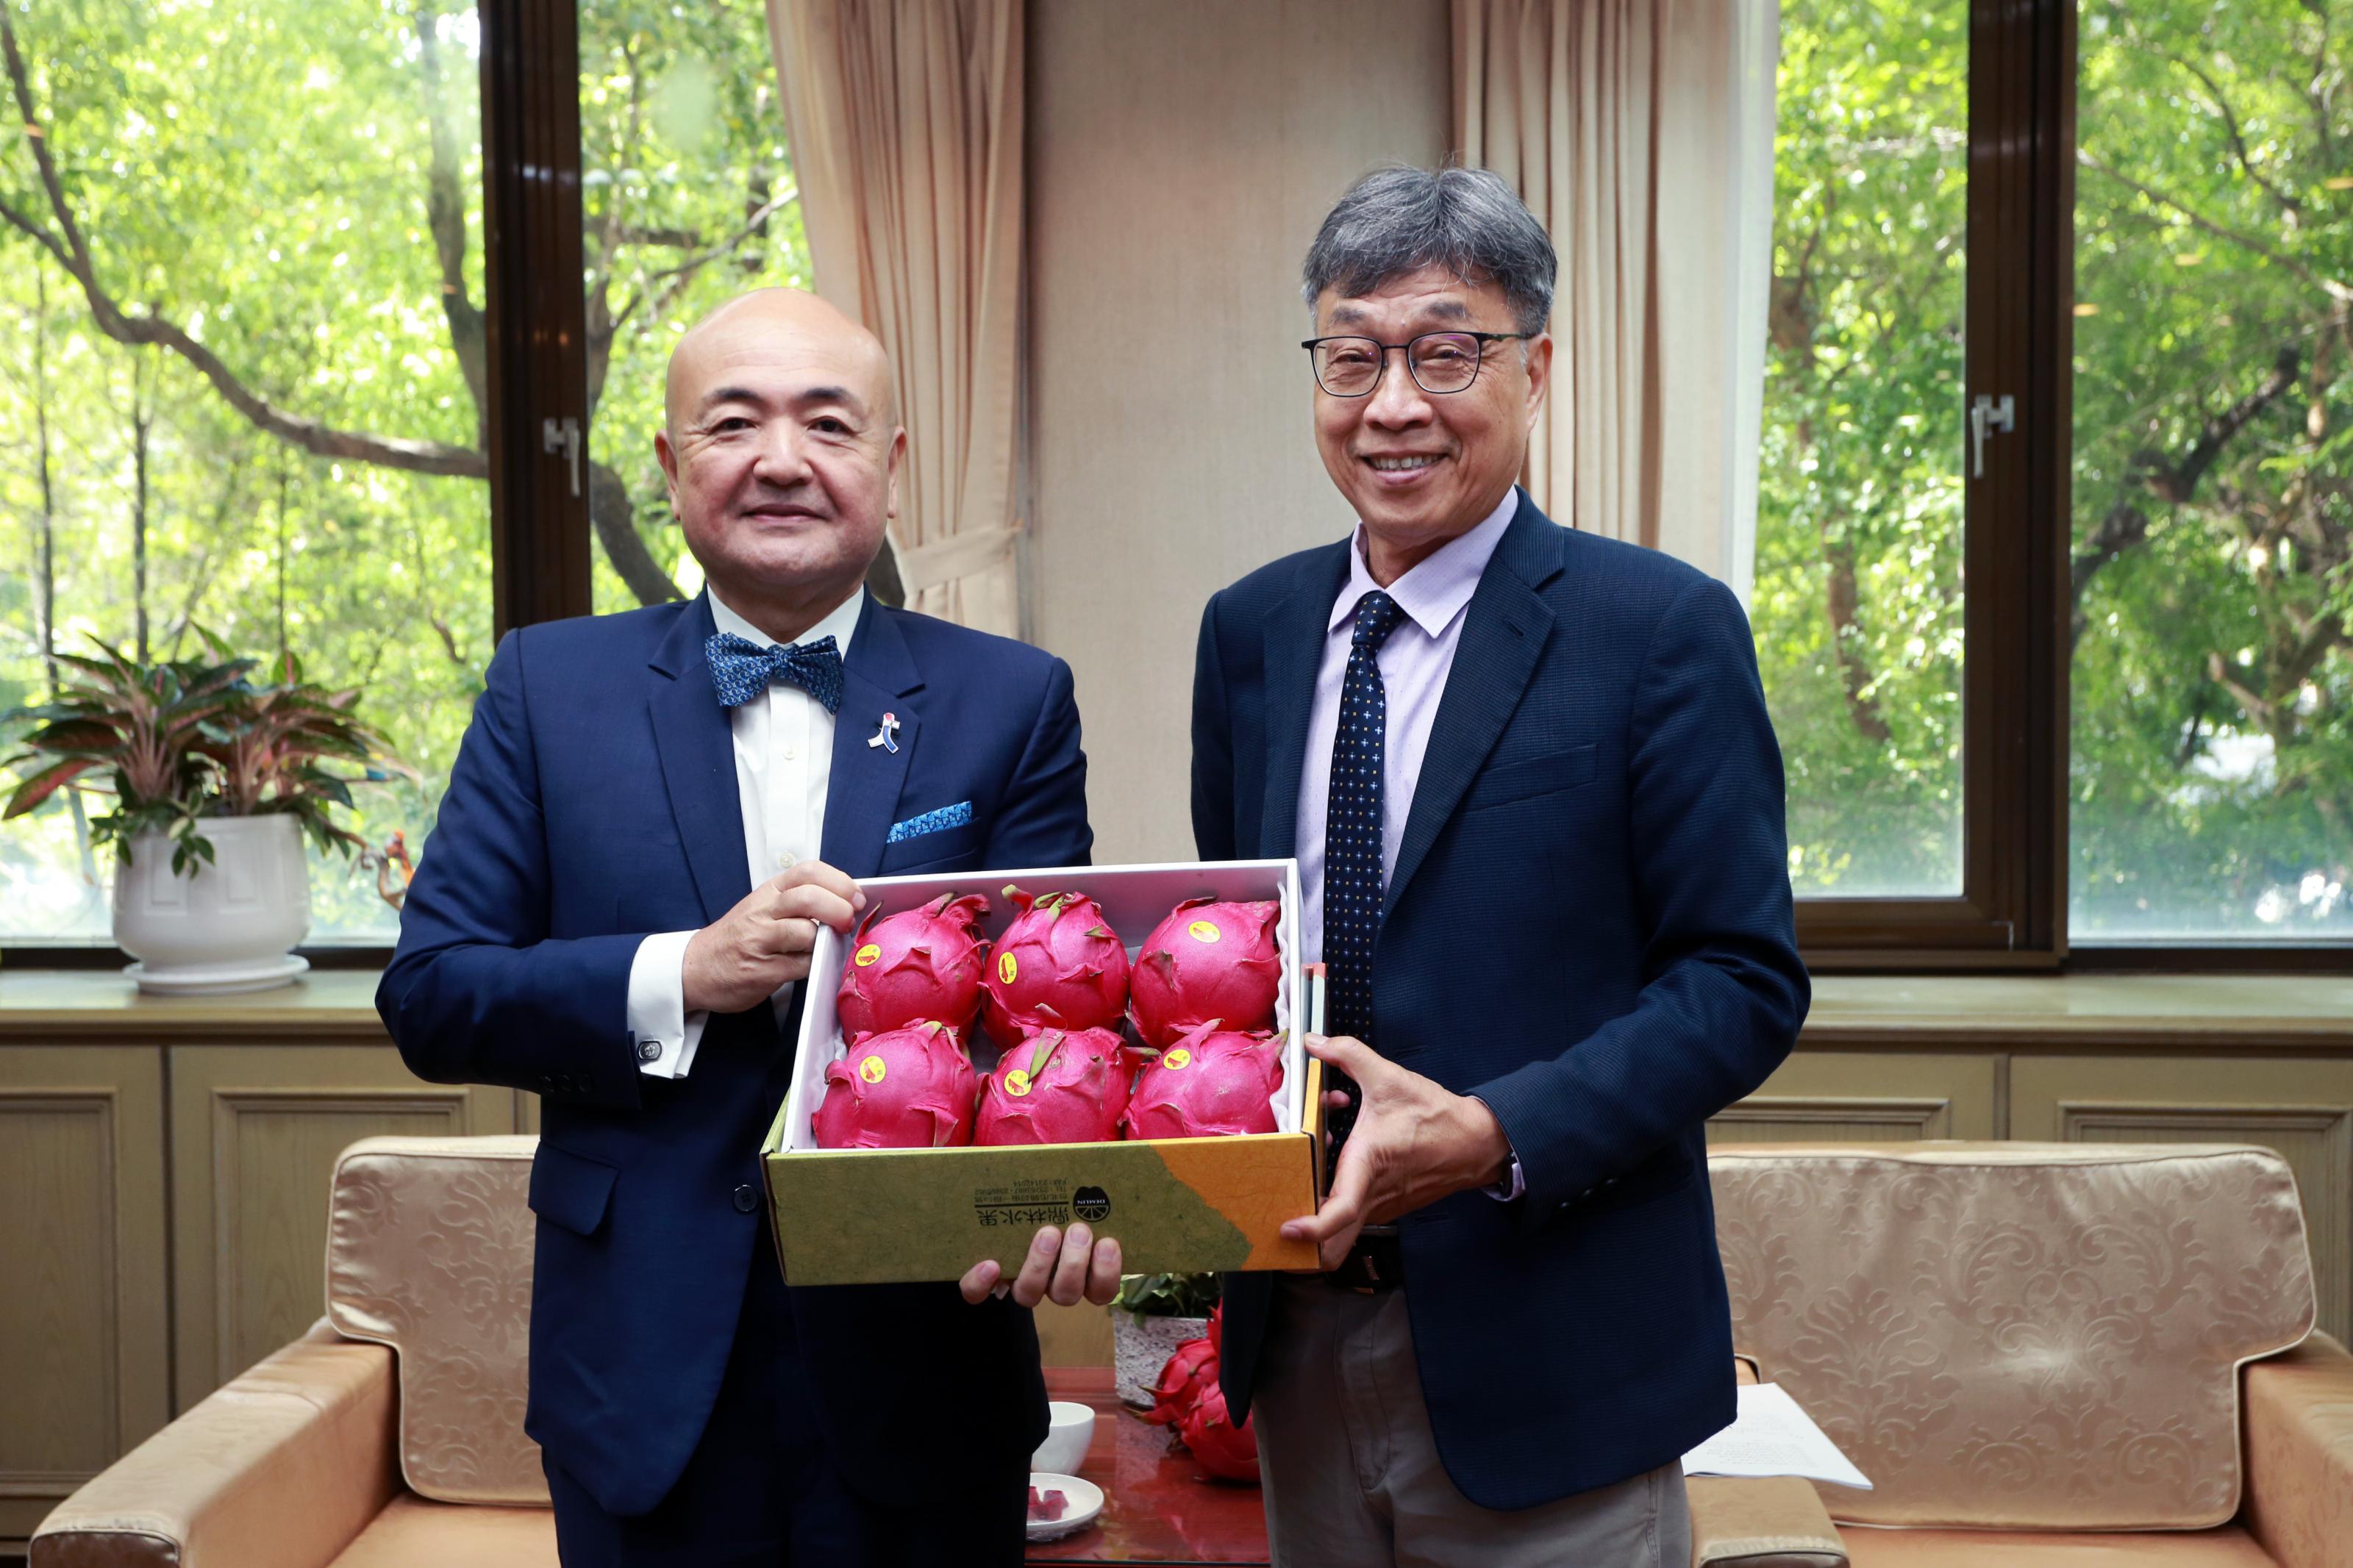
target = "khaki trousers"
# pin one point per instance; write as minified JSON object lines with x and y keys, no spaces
{"x":1351,"y":1474}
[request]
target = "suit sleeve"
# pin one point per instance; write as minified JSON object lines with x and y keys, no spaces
{"x":477,"y":992}
{"x":1727,"y":991}
{"x":1042,"y":819}
{"x":1213,"y":749}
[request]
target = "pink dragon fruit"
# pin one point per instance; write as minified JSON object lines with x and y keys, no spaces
{"x":1211,"y":1082}
{"x":1059,"y":966}
{"x":919,"y":965}
{"x":1057,"y":1087}
{"x":1193,"y":1368}
{"x":902,"y":1088}
{"x":1224,"y":1450}
{"x":1206,"y":960}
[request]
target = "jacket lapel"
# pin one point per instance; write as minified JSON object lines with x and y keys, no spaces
{"x":694,"y":746}
{"x":1502,"y":637}
{"x":866,"y":783}
{"x":1294,"y":651}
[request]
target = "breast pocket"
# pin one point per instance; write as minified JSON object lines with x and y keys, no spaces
{"x":944,"y":849}
{"x":1547,"y":774}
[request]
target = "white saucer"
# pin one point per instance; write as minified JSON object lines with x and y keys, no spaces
{"x":1084,"y":1499}
{"x":220,"y":979}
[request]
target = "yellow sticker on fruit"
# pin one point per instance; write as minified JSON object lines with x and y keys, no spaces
{"x":1017,"y":1083}
{"x":1177,"y":1059}
{"x":1006,"y":968}
{"x":1202,"y":931}
{"x":872,"y":1069}
{"x":869,"y":953}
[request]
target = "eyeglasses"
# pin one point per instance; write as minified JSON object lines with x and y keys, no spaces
{"x":1439,"y":362}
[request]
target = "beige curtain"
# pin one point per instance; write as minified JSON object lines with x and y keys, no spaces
{"x":906,"y":121}
{"x":1641,"y":134}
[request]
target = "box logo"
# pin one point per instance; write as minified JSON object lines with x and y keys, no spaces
{"x":1090,"y":1204}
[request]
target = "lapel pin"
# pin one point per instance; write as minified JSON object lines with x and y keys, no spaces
{"x":887,"y":735}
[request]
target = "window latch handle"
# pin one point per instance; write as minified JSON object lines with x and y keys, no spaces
{"x":1989,"y":415}
{"x":564,"y":436}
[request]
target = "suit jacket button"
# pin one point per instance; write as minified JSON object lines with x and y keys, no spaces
{"x":747,"y":1198}
{"x":649,"y":1050}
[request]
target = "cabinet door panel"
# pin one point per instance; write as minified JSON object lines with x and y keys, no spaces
{"x":1840,"y":1096}
{"x":255,"y":1132}
{"x":84,"y":1331}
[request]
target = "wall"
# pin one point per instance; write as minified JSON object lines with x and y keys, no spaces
{"x":1180,"y":157}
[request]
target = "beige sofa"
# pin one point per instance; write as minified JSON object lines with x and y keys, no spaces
{"x":2038,"y":1353}
{"x":2049,"y":1356}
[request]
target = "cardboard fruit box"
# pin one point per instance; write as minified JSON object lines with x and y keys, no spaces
{"x":859,"y":1217}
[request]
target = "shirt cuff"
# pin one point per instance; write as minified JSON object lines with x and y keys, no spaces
{"x":661,"y":1032}
{"x":1514,"y":1185}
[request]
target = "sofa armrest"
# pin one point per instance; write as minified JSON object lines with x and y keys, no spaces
{"x":1772,"y":1522}
{"x":2299,"y":1487}
{"x":280,"y":1467}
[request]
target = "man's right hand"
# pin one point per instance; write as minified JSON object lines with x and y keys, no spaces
{"x":765,"y":941}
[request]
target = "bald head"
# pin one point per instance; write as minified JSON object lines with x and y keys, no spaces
{"x":781,"y":442}
{"x":767,"y":318}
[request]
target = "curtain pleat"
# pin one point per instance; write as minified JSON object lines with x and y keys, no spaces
{"x":906,"y":122}
{"x":1641,"y":134}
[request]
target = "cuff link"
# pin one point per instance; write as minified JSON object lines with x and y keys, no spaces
{"x":649,"y":1050}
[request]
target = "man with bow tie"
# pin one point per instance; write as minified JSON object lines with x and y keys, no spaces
{"x":651,"y":815}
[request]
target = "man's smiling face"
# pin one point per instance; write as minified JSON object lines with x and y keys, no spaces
{"x":781,"y":446}
{"x":1421,"y":468}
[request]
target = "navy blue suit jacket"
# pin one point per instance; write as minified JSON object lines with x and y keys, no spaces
{"x":1590,"y":927}
{"x":594,"y":801}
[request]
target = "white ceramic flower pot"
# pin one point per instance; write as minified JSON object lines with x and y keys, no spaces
{"x":1140,"y":1347}
{"x":226,"y":926}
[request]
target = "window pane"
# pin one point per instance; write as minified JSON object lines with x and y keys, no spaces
{"x":2212,"y":767}
{"x":689,"y":200}
{"x":296,"y":186}
{"x":1858,"y":597}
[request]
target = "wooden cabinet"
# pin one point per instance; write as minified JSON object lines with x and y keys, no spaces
{"x":1840,"y":1096}
{"x":255,"y":1130}
{"x":85,"y":1336}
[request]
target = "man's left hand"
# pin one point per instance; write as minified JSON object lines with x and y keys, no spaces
{"x":1414,"y":1142}
{"x":1061,"y":1267}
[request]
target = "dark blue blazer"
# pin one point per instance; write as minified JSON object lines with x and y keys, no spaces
{"x":1589,"y":927}
{"x":594,"y":801}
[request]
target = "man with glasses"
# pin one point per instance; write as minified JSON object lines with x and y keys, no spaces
{"x":1537,"y":808}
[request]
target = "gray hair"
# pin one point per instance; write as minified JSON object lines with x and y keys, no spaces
{"x":1400,"y":219}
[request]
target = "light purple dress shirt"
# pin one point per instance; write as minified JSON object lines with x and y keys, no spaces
{"x":1436,"y":598}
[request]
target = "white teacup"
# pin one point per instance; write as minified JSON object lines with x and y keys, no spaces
{"x":1065,"y":1447}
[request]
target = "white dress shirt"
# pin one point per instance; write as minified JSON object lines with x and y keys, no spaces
{"x":784,"y":757}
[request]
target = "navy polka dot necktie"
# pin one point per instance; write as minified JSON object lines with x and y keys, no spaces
{"x":741,"y":669}
{"x":1352,"y":838}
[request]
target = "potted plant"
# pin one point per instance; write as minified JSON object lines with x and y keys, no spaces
{"x":1150,"y":1317}
{"x":216,"y":778}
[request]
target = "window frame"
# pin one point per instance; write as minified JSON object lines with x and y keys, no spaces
{"x":2010,"y":912}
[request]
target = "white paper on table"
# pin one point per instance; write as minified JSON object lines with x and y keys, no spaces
{"x":1772,"y":1435}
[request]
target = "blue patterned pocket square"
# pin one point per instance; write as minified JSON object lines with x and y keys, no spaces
{"x":938,"y":821}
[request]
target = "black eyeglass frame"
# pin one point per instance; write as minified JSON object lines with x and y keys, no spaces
{"x":1482,"y":339}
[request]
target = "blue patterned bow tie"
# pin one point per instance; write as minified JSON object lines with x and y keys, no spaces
{"x":741,"y":669}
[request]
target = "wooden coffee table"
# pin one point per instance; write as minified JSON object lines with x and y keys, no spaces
{"x":1157,"y":1506}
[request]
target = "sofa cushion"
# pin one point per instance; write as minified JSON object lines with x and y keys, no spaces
{"x":430,"y":1251}
{"x":2228,"y":1547}
{"x":2018,"y":1335}
{"x":413,"y":1533}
